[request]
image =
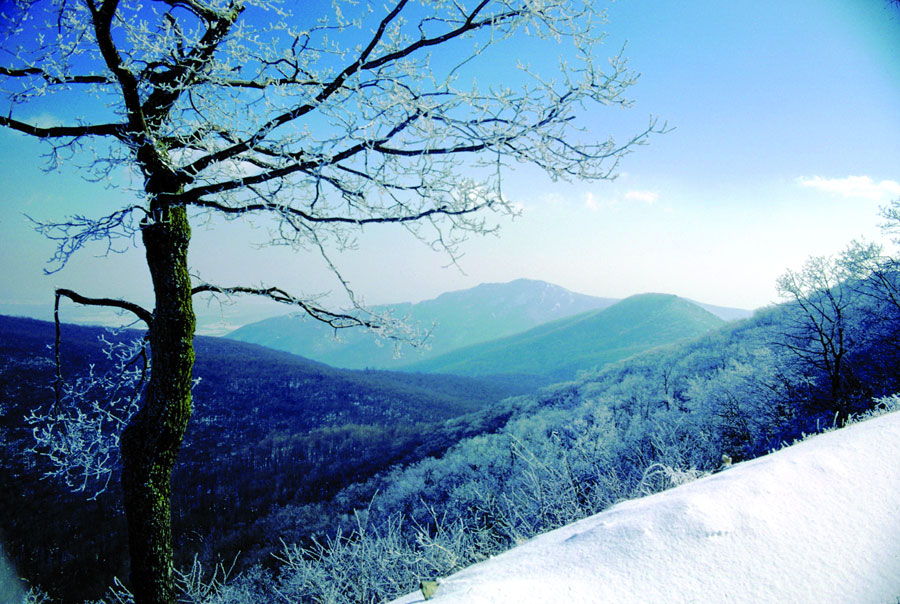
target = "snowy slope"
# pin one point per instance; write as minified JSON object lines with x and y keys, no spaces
{"x":818,"y":522}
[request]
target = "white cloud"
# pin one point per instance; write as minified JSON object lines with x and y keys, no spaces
{"x":594,"y":203}
{"x":40,"y":120}
{"x":45,"y":120}
{"x":555,"y":198}
{"x":854,"y":186}
{"x":647,"y":197}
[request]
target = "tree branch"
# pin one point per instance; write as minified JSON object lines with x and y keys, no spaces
{"x":139,"y":311}
{"x":169,"y":85}
{"x":276,"y":294}
{"x":65,"y":79}
{"x":362,"y":63}
{"x":291,"y":211}
{"x":468,"y":25}
{"x":102,"y":22}
{"x":78,"y":231}
{"x":204,"y":12}
{"x":117,"y":130}
{"x":247,"y":144}
{"x":299,"y":166}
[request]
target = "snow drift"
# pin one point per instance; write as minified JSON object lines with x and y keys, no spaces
{"x":818,"y":522}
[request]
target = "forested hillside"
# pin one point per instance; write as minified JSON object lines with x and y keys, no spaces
{"x":269,"y":428}
{"x":825,"y":531}
{"x":556,"y":351}
{"x":362,"y":487}
{"x":630,"y":429}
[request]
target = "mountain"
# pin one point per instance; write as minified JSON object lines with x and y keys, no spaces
{"x":460,"y":318}
{"x":815,"y":522}
{"x":557,"y":350}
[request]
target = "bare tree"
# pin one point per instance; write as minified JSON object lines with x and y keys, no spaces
{"x":820,"y":330}
{"x":875,"y":275}
{"x":317,"y":126}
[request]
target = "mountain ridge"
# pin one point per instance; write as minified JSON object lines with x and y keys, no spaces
{"x":557,"y":350}
{"x":460,"y":318}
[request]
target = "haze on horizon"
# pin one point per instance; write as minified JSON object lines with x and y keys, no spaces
{"x":784,"y":146}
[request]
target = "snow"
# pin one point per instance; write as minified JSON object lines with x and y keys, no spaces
{"x":818,"y":522}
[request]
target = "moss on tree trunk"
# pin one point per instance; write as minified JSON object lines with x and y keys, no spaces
{"x":151,"y":441}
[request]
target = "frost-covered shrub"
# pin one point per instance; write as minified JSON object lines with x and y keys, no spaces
{"x":660,"y":477}
{"x":373,"y":563}
{"x":883,"y":405}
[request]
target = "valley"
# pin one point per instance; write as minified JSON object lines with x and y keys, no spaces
{"x":274,"y":431}
{"x":507,"y":438}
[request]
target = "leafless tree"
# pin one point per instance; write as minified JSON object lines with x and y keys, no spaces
{"x":874,"y":274}
{"x":820,"y":331}
{"x":317,"y":125}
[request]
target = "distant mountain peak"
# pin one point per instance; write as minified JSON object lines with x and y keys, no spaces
{"x":461,"y":318}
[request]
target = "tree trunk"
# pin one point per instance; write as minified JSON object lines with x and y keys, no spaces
{"x":151,"y":441}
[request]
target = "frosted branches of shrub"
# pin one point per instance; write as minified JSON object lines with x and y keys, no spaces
{"x":35,"y":596}
{"x":79,"y":432}
{"x":371,"y":564}
{"x":659,"y":477}
{"x":883,"y":405}
{"x":541,"y":473}
{"x":887,"y":404}
{"x":197,"y":586}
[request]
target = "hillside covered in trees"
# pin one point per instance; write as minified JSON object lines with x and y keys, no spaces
{"x":387,"y":502}
{"x":558,"y":350}
{"x":272,"y":428}
{"x":633,"y":428}
{"x":273,"y":431}
{"x":825,"y":531}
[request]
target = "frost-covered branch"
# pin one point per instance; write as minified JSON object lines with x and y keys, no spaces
{"x":335,"y":122}
{"x":381,"y":324}
{"x":78,"y":434}
{"x":116,"y":130}
{"x":77,"y":231}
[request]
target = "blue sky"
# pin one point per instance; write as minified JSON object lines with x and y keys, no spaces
{"x":786,"y":117}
